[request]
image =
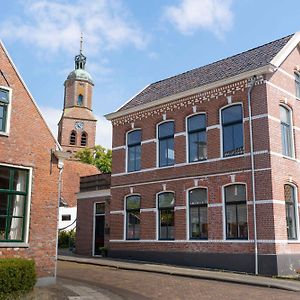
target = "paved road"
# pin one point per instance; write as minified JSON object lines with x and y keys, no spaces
{"x":87,"y":282}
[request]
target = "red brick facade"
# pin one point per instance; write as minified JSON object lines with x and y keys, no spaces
{"x":28,"y":145}
{"x":272,"y":171}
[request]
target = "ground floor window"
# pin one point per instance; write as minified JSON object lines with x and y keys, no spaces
{"x":198,"y":213}
{"x":166,"y":215}
{"x":290,"y":209}
{"x":13,"y":203}
{"x":236,"y":211}
{"x":133,"y":218}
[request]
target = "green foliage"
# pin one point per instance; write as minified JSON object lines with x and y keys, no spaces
{"x":97,"y":156}
{"x":66,"y":239}
{"x":17,"y":276}
{"x":103,"y":251}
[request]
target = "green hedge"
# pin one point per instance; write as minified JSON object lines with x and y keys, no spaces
{"x":66,"y":239}
{"x":16,"y":276}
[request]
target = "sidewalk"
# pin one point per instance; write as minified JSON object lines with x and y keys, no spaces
{"x":284,"y":284}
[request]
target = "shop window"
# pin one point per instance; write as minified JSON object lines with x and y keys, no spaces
{"x":133,"y":217}
{"x":290,"y":209}
{"x":166,"y":215}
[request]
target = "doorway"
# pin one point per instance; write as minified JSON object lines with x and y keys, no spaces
{"x":99,"y":225}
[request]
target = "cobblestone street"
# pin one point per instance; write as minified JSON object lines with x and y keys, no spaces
{"x":79,"y":281}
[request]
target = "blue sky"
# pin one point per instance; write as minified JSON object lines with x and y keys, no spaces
{"x":132,"y":43}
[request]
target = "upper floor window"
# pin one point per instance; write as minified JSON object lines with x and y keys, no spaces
{"x":197,"y":137}
{"x":83,"y":141}
{"x":286,"y":131}
{"x":4,"y":102}
{"x":297,"y":83}
{"x":134,"y":150}
{"x":133,"y":219}
{"x":166,"y":215}
{"x":13,"y":203}
{"x":198,"y":213}
{"x":236,"y":211}
{"x":73,"y":138}
{"x":166,"y":144}
{"x":290,"y":209}
{"x":80,"y":100}
{"x":232,"y":126}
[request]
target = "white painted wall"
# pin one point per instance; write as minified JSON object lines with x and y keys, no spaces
{"x":72,"y":211}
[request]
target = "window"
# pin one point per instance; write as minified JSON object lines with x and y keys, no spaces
{"x":134,"y":150}
{"x":73,"y":138}
{"x":83,"y":141}
{"x":80,"y":100}
{"x":232,"y":126}
{"x":166,"y":215}
{"x":4,"y":102}
{"x":290,"y":209}
{"x":236,"y":212}
{"x":66,"y":217}
{"x":198,"y":213}
{"x":133,"y":219}
{"x":166,"y":144}
{"x":13,"y":203}
{"x":297,"y":82}
{"x":286,"y":131}
{"x":197,"y":137}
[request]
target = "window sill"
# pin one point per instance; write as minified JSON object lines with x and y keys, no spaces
{"x":290,"y":158}
{"x":2,"y":133}
{"x":14,"y":245}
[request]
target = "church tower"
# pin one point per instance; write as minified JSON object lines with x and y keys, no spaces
{"x":77,"y":126}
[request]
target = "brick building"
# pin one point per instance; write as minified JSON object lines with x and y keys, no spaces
{"x":206,"y":165}
{"x":76,"y":131}
{"x":93,"y":202}
{"x":29,"y":174}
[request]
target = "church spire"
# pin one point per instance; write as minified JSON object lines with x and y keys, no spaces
{"x":80,"y":59}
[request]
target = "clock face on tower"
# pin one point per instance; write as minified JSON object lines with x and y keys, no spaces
{"x":79,"y":125}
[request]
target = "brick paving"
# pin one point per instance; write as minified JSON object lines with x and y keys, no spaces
{"x":124,"y":284}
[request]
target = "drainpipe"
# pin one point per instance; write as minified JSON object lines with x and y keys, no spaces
{"x":251,"y":85}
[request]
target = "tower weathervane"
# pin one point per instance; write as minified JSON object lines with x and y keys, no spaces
{"x":81,"y":42}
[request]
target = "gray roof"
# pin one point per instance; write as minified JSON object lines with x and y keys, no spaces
{"x":225,"y":68}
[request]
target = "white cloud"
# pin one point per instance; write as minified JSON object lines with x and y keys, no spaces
{"x":55,"y":25}
{"x":192,"y":15}
{"x":103,"y":129}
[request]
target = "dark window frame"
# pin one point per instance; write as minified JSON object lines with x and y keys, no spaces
{"x":198,"y":206}
{"x":73,"y":138}
{"x":169,"y":210}
{"x":83,"y":139}
{"x":80,"y":100}
{"x":136,"y":146}
{"x":294,"y":205}
{"x":287,"y":139}
{"x":4,"y":105}
{"x":168,"y":139}
{"x":133,"y":211}
{"x":236,"y":204}
{"x":237,"y":150}
{"x":10,"y":192}
{"x":197,"y":131}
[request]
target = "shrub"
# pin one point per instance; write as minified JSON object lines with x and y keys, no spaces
{"x":66,"y":239}
{"x":17,"y":276}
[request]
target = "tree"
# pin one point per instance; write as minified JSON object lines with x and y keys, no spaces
{"x":97,"y":156}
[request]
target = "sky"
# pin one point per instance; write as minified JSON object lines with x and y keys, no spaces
{"x":130,"y":43}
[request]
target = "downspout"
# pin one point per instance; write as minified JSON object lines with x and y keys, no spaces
{"x":61,"y":168}
{"x":251,"y":85}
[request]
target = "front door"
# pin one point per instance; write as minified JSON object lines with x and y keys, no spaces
{"x":99,"y":224}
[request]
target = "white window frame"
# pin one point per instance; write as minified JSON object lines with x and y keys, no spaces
{"x":8,"y":116}
{"x":126,"y":149}
{"x":292,"y":130}
{"x":296,"y":210}
{"x":224,"y":212}
{"x":125,"y":216}
{"x":221,"y":128}
{"x":157,"y":213}
{"x":27,"y":213}
{"x":188,"y":238}
{"x":157,"y":144}
{"x":187,"y":135}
